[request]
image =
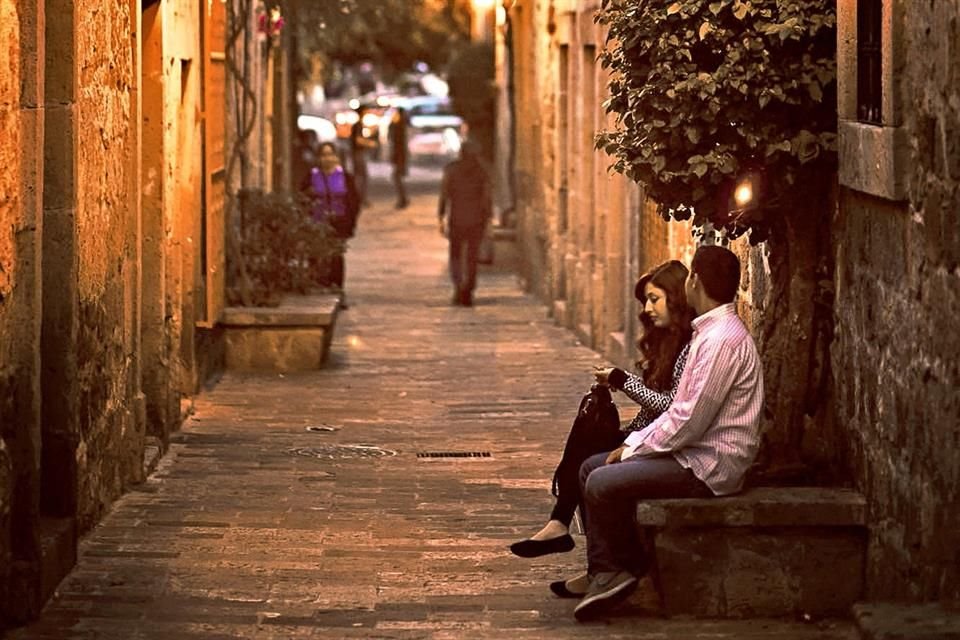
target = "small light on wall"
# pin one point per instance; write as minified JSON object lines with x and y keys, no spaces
{"x":743,"y":195}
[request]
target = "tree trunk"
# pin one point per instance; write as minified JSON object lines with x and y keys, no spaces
{"x":799,"y":443}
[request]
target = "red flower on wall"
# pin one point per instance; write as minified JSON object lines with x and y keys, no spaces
{"x":269,"y":23}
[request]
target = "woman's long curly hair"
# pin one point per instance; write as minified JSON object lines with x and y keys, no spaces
{"x":660,"y":346}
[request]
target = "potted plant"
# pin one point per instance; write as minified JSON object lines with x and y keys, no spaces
{"x":281,"y":312}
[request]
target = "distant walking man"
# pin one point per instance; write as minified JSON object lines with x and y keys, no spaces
{"x":359,"y":144}
{"x":399,"y":154}
{"x":466,"y":187}
{"x":701,"y":446}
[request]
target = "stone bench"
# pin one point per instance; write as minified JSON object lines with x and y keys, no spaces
{"x":294,"y":336}
{"x":769,"y":551}
{"x":505,"y":251}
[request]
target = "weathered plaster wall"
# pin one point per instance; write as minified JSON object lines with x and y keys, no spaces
{"x":896,"y":357}
{"x":183,"y":68}
{"x":171,"y":179}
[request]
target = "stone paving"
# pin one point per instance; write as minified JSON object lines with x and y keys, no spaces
{"x":374,"y":498}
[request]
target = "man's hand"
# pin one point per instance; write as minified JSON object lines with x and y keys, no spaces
{"x":614,"y":455}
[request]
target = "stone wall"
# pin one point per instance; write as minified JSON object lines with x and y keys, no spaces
{"x":896,"y":357}
{"x":110,"y":440}
{"x":21,"y":129}
{"x":101,"y":177}
{"x":14,"y":362}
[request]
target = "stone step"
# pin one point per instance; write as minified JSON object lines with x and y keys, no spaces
{"x":891,"y":621}
{"x":294,"y":336}
{"x":769,"y":551}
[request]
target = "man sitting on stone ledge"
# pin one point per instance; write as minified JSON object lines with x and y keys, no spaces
{"x":701,"y":446}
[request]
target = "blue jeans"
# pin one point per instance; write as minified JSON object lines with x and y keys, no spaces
{"x":610,"y":494}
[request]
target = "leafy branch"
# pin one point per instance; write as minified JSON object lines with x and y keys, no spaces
{"x":707,"y":94}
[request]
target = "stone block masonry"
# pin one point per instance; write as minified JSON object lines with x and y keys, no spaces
{"x":783,"y":551}
{"x":294,"y":336}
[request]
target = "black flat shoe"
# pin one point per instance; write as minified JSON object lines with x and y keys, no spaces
{"x":560,"y":589}
{"x":536,"y":548}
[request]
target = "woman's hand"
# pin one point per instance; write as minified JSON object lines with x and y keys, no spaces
{"x":614,"y":456}
{"x":602,"y":374}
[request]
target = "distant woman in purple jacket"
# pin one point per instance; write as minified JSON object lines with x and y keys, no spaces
{"x":334,"y":200}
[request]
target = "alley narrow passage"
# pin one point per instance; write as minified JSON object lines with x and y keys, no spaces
{"x":374,"y":498}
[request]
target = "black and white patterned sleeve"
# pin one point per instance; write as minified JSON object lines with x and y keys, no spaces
{"x":655,"y":401}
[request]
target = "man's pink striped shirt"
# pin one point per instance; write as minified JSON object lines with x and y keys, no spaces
{"x":713,"y":424}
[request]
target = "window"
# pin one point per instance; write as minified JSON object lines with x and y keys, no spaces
{"x":869,"y":61}
{"x":872,"y":142}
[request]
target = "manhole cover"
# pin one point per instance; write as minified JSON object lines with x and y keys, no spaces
{"x":340,"y":451}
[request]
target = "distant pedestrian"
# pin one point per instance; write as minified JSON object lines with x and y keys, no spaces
{"x":466,"y":186}
{"x":305,"y":154}
{"x":399,"y":154}
{"x":360,"y":144}
{"x":335,"y":201}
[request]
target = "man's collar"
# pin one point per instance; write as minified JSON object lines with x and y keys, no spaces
{"x":704,"y":319}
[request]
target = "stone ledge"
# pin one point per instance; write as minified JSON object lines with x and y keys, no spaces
{"x":873,"y":159}
{"x":616,"y":350}
{"x":294,"y":336}
{"x":887,"y":621}
{"x":299,"y":311}
{"x":58,"y":544}
{"x":505,"y":253}
{"x":760,"y":507}
{"x":769,"y":551}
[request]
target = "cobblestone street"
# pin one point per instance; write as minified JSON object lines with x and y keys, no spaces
{"x":374,"y":498}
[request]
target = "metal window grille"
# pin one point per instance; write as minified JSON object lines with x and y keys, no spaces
{"x":869,"y":61}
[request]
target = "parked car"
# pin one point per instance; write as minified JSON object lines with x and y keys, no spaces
{"x":374,"y":106}
{"x":433,"y":129}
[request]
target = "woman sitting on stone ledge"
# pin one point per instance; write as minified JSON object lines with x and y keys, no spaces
{"x":663,"y":347}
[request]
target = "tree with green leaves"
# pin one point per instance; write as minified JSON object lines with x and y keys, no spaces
{"x":390,"y":33}
{"x":712,"y":96}
{"x":474,"y":94}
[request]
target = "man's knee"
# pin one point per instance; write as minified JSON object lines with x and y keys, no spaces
{"x":588,"y":466}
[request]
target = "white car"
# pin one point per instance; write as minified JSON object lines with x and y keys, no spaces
{"x":325,"y":130}
{"x":433,"y":129}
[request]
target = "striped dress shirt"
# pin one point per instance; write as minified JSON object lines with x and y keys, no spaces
{"x":713,"y":424}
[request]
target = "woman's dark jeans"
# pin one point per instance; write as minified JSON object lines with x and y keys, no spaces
{"x":586,"y":439}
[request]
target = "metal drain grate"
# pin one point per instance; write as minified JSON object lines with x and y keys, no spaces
{"x":340,"y":451}
{"x":453,"y":454}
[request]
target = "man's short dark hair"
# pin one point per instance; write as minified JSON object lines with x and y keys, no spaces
{"x":718,"y":269}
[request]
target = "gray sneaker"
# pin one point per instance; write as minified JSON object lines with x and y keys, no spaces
{"x":606,"y":589}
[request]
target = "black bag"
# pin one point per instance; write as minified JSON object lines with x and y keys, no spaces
{"x":598,"y":420}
